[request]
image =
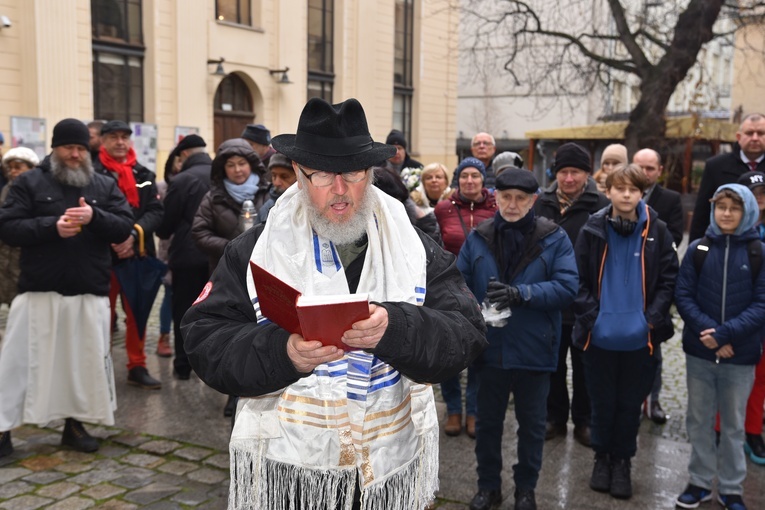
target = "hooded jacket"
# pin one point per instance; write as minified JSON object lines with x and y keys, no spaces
{"x":722,"y":295}
{"x":216,"y":221}
{"x":659,"y":268}
{"x":448,"y":212}
{"x":547,"y":280}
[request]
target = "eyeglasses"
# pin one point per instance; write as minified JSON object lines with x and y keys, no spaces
{"x":479,"y":143}
{"x":324,"y":179}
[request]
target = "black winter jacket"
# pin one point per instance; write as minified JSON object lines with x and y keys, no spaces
{"x":718,"y":170}
{"x":669,"y":207}
{"x":589,"y":202}
{"x":660,"y":268}
{"x":234,"y":355}
{"x":148,"y":214}
{"x":72,"y":266}
{"x":184,"y":194}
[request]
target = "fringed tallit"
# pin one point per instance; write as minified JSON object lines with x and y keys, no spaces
{"x":306,"y":446}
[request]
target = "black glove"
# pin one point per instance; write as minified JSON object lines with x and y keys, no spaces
{"x":503,"y":295}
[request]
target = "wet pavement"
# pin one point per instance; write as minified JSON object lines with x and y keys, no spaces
{"x":168,"y":450}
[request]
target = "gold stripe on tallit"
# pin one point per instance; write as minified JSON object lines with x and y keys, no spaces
{"x":332,"y":425}
{"x":386,"y":425}
{"x":314,"y":401}
{"x":335,"y":417}
{"x":385,"y":414}
{"x":372,"y":437}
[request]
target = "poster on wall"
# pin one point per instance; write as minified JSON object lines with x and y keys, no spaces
{"x":182,"y":131}
{"x":29,"y":132}
{"x":145,"y":144}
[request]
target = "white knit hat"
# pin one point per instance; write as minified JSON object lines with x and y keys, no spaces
{"x":24,"y":154}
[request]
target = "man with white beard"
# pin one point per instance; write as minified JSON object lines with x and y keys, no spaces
{"x":55,"y":361}
{"x":316,"y":426}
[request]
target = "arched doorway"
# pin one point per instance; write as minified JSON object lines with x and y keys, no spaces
{"x":232,"y":109}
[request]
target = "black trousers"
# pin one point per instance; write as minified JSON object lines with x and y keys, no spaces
{"x":188,"y":283}
{"x":619,"y":381}
{"x":558,"y":402}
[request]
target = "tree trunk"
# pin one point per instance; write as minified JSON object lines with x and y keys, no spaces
{"x":647,"y":126}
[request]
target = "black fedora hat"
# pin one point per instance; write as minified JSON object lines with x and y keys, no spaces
{"x":333,"y":138}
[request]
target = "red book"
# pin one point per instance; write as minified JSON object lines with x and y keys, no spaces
{"x":322,"y":318}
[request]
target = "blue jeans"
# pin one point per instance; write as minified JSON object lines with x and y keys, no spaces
{"x":529,"y":390}
{"x":451,"y":390}
{"x":618,"y":382}
{"x":714,"y":388}
{"x":166,"y":310}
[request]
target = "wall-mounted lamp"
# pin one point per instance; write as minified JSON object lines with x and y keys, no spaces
{"x":219,"y":69}
{"x":284,"y":79}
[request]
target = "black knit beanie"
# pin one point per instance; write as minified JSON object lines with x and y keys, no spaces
{"x":70,"y":132}
{"x":572,"y":155}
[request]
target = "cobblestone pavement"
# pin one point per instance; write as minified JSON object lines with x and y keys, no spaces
{"x":168,"y":451}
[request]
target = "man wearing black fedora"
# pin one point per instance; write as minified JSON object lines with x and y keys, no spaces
{"x":317,"y":425}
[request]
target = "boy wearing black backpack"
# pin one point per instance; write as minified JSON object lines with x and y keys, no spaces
{"x":721,"y":298}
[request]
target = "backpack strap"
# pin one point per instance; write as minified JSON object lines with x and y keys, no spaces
{"x":753,"y":251}
{"x":700,"y":254}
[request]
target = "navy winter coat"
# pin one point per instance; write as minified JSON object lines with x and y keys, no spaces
{"x":700,"y":298}
{"x":547,"y":279}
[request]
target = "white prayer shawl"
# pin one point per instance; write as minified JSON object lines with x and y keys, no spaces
{"x":357,"y":416}
{"x":55,"y":360}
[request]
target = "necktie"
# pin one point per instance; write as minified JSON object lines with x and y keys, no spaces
{"x":753,"y":165}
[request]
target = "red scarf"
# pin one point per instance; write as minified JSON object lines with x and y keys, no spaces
{"x":124,"y":171}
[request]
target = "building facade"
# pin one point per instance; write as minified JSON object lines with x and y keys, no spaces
{"x":215,"y":65}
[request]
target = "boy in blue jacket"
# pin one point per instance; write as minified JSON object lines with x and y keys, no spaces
{"x":721,"y":298}
{"x":627,"y":268}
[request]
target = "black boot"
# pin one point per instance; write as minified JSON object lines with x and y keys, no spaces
{"x":525,"y":500}
{"x":6,"y":447}
{"x":76,"y":437}
{"x":621,"y":478}
{"x":139,"y":376}
{"x":601,"y":473}
{"x":486,"y":499}
{"x":230,"y":407}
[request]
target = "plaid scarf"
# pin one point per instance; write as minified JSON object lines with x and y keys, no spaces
{"x":564,"y":201}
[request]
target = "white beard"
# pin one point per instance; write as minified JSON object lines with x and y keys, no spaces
{"x":346,"y":232}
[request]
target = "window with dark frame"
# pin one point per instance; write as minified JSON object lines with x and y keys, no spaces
{"x":403,"y":89}
{"x":118,"y":54}
{"x":321,"y":75}
{"x":233,"y":11}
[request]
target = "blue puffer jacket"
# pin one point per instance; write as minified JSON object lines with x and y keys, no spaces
{"x":704,"y":299}
{"x":548,"y":283}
